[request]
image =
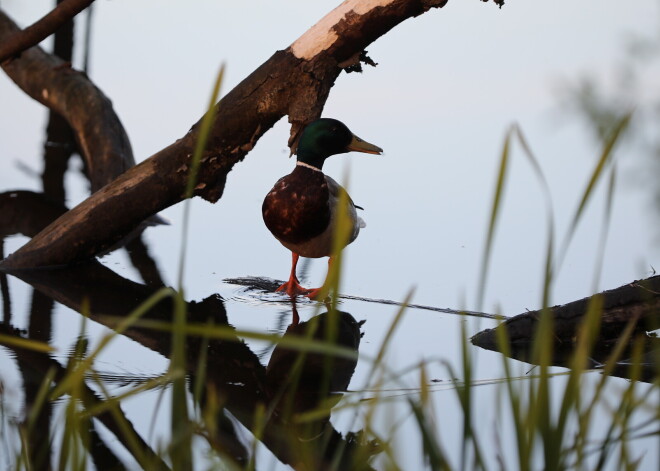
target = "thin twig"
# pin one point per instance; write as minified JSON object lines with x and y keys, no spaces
{"x":425,"y":308}
{"x":270,"y":285}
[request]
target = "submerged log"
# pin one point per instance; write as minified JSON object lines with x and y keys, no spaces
{"x":635,"y":304}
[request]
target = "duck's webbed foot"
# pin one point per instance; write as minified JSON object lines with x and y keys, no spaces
{"x":293,"y":288}
{"x":316,"y":293}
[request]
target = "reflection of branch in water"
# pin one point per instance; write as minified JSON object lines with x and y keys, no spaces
{"x":102,"y":456}
{"x":143,"y":262}
{"x":122,"y":380}
{"x":38,"y":366}
{"x":58,"y":148}
{"x":242,"y":385}
{"x":39,"y":328}
{"x":41,"y":310}
{"x":270,"y":285}
{"x":40,"y":449}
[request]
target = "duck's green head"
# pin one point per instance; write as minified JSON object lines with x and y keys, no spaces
{"x":325,"y":137}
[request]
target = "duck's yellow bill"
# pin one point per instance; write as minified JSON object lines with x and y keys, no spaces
{"x":360,"y":145}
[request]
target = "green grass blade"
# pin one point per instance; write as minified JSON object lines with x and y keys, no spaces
{"x":181,"y":430}
{"x":520,"y":426}
{"x":203,"y":136}
{"x":432,"y":451}
{"x":545,"y":191}
{"x":389,"y":335}
{"x":231,"y":334}
{"x":494,"y":213}
{"x":607,"y":216}
{"x":597,"y":173}
{"x":124,"y":323}
{"x":28,"y":344}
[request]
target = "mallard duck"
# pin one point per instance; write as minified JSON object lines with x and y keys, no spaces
{"x":300,"y":209}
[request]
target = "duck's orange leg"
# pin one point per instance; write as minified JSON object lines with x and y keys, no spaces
{"x":292,"y":287}
{"x":315,"y":293}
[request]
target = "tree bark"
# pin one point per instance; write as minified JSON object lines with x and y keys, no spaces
{"x":294,"y":82}
{"x":49,"y":24}
{"x":636,"y":303}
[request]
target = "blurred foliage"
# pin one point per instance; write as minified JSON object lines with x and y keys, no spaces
{"x":601,"y":101}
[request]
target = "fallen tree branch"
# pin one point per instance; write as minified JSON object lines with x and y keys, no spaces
{"x":636,"y":304}
{"x":24,"y":39}
{"x":294,"y":82}
{"x":638,"y":301}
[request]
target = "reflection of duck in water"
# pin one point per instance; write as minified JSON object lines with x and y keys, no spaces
{"x":300,"y":381}
{"x":305,"y":380}
{"x":300,"y":210}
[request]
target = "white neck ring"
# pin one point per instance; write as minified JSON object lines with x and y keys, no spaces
{"x":306,"y":165}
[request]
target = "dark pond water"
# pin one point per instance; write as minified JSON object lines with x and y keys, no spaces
{"x":441,"y":117}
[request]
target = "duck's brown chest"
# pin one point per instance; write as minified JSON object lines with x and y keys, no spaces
{"x":297,"y":208}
